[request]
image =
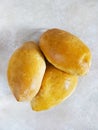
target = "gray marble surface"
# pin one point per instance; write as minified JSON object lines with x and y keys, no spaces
{"x":22,"y":20}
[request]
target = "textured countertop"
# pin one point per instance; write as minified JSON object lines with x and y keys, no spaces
{"x":22,"y":20}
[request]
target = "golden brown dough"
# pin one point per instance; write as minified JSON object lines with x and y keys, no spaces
{"x":25,"y":71}
{"x":56,"y":86}
{"x":65,"y":51}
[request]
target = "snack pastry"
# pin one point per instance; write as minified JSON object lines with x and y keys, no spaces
{"x":56,"y":86}
{"x":25,"y":72}
{"x":65,"y":51}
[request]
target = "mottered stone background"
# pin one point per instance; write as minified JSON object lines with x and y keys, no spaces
{"x":23,"y":20}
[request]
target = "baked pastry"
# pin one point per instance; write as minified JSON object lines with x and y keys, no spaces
{"x":25,"y":71}
{"x":65,"y":51}
{"x":56,"y":86}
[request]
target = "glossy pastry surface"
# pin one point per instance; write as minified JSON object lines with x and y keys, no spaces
{"x":65,"y":51}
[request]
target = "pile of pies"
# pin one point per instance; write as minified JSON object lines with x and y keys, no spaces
{"x":47,"y":73}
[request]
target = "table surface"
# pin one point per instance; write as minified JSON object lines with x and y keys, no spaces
{"x":23,"y":20}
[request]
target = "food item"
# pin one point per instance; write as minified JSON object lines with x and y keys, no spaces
{"x":65,"y":51}
{"x":25,"y":71}
{"x":56,"y":86}
{"x":46,"y":86}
